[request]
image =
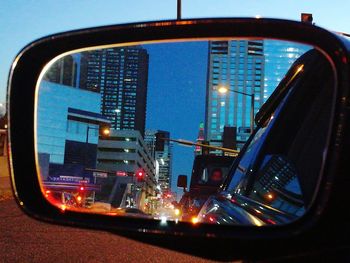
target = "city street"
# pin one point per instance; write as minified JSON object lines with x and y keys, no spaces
{"x":23,"y":239}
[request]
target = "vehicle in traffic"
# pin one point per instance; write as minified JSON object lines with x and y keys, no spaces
{"x":208,"y":173}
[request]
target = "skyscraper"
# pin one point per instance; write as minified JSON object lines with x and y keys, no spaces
{"x":244,"y":68}
{"x":161,"y":151}
{"x":120,"y":75}
{"x":279,"y":56}
{"x":200,"y":139}
{"x":64,"y":71}
{"x":239,"y":67}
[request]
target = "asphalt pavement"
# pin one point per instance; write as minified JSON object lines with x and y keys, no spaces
{"x":24,"y":239}
{"x":5,"y":187}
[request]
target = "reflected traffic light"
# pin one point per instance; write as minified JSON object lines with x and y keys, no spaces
{"x":140,"y":175}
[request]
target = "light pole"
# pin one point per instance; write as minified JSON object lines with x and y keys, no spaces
{"x":105,"y":131}
{"x":224,"y":90}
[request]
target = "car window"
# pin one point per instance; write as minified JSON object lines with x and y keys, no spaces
{"x":281,"y":166}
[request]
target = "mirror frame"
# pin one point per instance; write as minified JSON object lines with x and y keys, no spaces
{"x":29,"y":63}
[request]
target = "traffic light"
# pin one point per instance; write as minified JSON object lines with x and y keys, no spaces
{"x":205,"y":150}
{"x":81,"y":194}
{"x":104,"y":130}
{"x":229,"y":138}
{"x":159,"y":145}
{"x":140,"y":175}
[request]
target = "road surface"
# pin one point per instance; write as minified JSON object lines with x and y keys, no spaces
{"x":23,"y":239}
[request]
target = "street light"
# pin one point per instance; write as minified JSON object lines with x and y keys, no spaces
{"x":104,"y":131}
{"x":117,"y":119}
{"x":224,"y":90}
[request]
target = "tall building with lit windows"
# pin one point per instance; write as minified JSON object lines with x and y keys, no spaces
{"x":65,"y":71}
{"x":279,"y":56}
{"x":239,"y":67}
{"x":120,"y":75}
{"x":200,"y":139}
{"x":250,"y":67}
{"x":161,"y":151}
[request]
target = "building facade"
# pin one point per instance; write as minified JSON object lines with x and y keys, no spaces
{"x":161,"y":151}
{"x":239,"y":67}
{"x":65,"y":71}
{"x":245,"y":68}
{"x":120,"y":75}
{"x":68,"y":128}
{"x":122,"y":155}
{"x":200,"y":139}
{"x":279,"y":56}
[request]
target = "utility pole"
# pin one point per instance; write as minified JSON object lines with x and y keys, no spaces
{"x":178,"y":9}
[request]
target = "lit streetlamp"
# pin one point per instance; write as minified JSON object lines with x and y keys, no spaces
{"x":224,"y":90}
{"x":104,"y":131}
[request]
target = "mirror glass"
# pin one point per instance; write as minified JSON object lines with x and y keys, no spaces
{"x":116,"y":127}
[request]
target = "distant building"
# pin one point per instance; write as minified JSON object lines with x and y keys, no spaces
{"x":200,"y":139}
{"x":123,"y":154}
{"x":161,"y":151}
{"x":64,"y":71}
{"x":120,"y":75}
{"x":238,"y":66}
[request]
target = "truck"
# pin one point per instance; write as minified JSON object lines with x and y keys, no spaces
{"x":208,"y":174}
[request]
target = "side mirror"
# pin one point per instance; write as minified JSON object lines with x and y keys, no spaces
{"x":182,"y":181}
{"x":218,"y":70}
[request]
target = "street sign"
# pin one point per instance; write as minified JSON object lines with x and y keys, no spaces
{"x":121,"y":173}
{"x":84,"y":181}
{"x":65,"y":178}
{"x":100,"y":174}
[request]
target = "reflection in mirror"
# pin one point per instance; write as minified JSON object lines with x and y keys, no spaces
{"x":117,"y":126}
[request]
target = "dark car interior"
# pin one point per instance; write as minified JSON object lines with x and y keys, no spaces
{"x":301,"y":141}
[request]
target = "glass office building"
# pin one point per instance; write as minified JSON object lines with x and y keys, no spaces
{"x":239,"y":67}
{"x":279,"y":56}
{"x":64,"y":115}
{"x":161,"y":151}
{"x":244,"y":68}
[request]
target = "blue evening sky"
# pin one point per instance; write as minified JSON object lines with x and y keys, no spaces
{"x":176,"y":95}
